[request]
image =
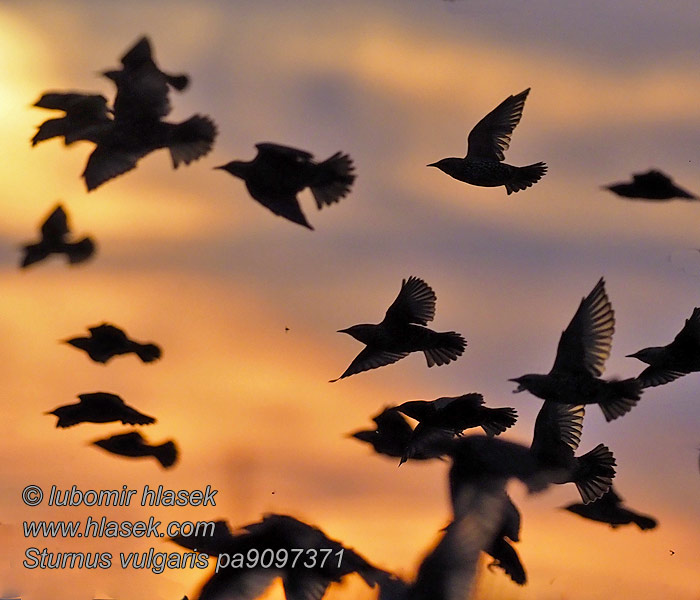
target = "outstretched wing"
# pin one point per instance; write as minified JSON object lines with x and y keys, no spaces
{"x":490,"y":137}
{"x":371,"y":358}
{"x":414,"y":304}
{"x":55,"y":228}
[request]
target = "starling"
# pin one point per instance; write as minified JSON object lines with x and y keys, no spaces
{"x":680,"y":357}
{"x":87,"y":116}
{"x":652,"y":185}
{"x":609,"y":509}
{"x":107,"y":341}
{"x":393,"y":434}
{"x":402,"y":331}
{"x":54,"y":231}
{"x":99,"y":407}
{"x":486,"y":144}
{"x":286,"y":538}
{"x":278,"y":173}
{"x":557,"y":436}
{"x":583,"y":348}
{"x":133,"y":444}
{"x":502,"y":551}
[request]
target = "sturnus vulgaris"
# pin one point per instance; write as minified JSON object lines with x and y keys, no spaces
{"x":303,"y":556}
{"x":652,"y":185}
{"x":99,"y":407}
{"x":502,"y":551}
{"x":87,"y":116}
{"x":107,"y":341}
{"x":278,"y":173}
{"x":486,"y":144}
{"x":680,"y":357}
{"x":583,"y":348}
{"x":54,"y":231}
{"x":402,"y":331}
{"x":609,"y":509}
{"x":557,"y":436}
{"x":133,"y":444}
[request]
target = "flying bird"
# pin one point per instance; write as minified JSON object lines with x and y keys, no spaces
{"x":504,"y":554}
{"x":278,"y":173}
{"x":583,"y":348}
{"x":483,"y":165}
{"x":133,"y":444}
{"x":106,"y":341}
{"x":556,"y":437}
{"x":652,"y":185}
{"x":403,"y":331}
{"x":609,"y":509}
{"x":453,"y":415}
{"x":86,"y":117}
{"x":680,"y":357}
{"x":99,"y":407}
{"x":54,"y":234}
{"x":307,"y":577}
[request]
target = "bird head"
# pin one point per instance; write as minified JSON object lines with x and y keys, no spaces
{"x":448,"y":165}
{"x":525,"y":383}
{"x":364,"y":333}
{"x":646,"y":355}
{"x":238,"y":168}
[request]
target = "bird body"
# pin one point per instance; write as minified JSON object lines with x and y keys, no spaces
{"x":107,"y":341}
{"x":483,"y":165}
{"x":278,"y":173}
{"x":609,"y":509}
{"x":99,"y":407}
{"x":652,"y":185}
{"x":134,"y":445}
{"x":403,"y":331}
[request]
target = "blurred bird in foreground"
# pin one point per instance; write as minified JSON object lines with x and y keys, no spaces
{"x":557,"y":436}
{"x":609,"y":509}
{"x":583,"y":348}
{"x":502,"y":551}
{"x":486,"y":144}
{"x":99,"y":407}
{"x":54,"y":231}
{"x":278,"y":173}
{"x":303,"y":556}
{"x":106,"y":341}
{"x":402,"y":331}
{"x":453,"y":415}
{"x":393,"y":434}
{"x":652,"y":185}
{"x":87,"y":116}
{"x":680,"y":357}
{"x":133,"y":444}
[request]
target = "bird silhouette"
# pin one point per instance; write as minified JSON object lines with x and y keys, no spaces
{"x":556,"y":437}
{"x":133,"y":444}
{"x":652,"y":185}
{"x":99,"y":407}
{"x":504,"y":554}
{"x":402,"y":331}
{"x":284,"y":536}
{"x":87,"y":116}
{"x":483,"y":165}
{"x":680,"y":357}
{"x":278,"y":173}
{"x":106,"y":341}
{"x":583,"y":348}
{"x":54,"y":234}
{"x":453,"y":415}
{"x":609,"y":509}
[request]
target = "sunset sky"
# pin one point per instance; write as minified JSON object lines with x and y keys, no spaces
{"x":187,"y":259}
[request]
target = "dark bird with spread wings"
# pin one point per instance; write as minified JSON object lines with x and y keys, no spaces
{"x":87,"y":117}
{"x":106,"y":341}
{"x":583,"y":348}
{"x":54,"y":234}
{"x":134,"y":445}
{"x":652,"y":185}
{"x":680,"y":357}
{"x":99,"y":407}
{"x":609,"y":509}
{"x":403,"y":331}
{"x":278,"y":173}
{"x":483,"y":165}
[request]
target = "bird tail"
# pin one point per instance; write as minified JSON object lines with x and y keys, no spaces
{"x":80,"y":251}
{"x":594,"y":473}
{"x":622,"y":396}
{"x":34,"y":253}
{"x":644,"y":522}
{"x":506,"y":557}
{"x":166,"y":454}
{"x":191,"y":139}
{"x":499,"y":419}
{"x":524,"y":177}
{"x":333,"y":179}
{"x":446,"y":347}
{"x":147,"y":352}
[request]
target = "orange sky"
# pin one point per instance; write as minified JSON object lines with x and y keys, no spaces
{"x":187,"y":259}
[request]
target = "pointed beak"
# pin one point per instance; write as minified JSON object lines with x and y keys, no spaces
{"x":635,"y":355}
{"x":432,"y":165}
{"x":520,"y":387}
{"x":220,"y":167}
{"x":342,"y":331}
